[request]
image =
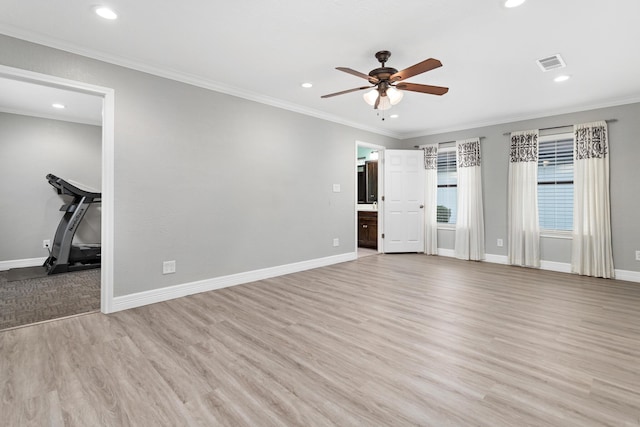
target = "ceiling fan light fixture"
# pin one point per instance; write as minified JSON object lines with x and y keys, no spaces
{"x":394,"y":95}
{"x":371,"y":96}
{"x":384,"y":104}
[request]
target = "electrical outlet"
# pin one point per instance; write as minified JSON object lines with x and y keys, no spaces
{"x":336,"y":242}
{"x":168,"y":267}
{"x":637,"y":255}
{"x":46,"y":244}
{"x":500,"y":243}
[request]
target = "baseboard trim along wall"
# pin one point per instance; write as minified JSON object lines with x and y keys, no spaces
{"x":629,"y":276}
{"x":21,"y":263}
{"x":561,"y":267}
{"x":164,"y":294}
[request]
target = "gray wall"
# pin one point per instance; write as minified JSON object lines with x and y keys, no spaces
{"x":624,"y":137}
{"x":30,"y":148}
{"x":220,"y":184}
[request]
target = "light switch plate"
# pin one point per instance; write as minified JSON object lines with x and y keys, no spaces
{"x":336,"y":188}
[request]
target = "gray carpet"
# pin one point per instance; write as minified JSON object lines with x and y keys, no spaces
{"x":30,"y":300}
{"x":26,"y":273}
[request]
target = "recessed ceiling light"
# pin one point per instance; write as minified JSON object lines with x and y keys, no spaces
{"x":58,"y":106}
{"x":513,"y":3}
{"x":106,"y":13}
{"x":562,"y":78}
{"x":306,"y":85}
{"x":394,"y":116}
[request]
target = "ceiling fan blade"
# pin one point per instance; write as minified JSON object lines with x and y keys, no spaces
{"x":358,"y":74}
{"x":346,"y":91}
{"x":415,"y":87}
{"x":419,"y":68}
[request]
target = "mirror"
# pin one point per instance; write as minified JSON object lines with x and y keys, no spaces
{"x":367,"y":175}
{"x":368,"y":182}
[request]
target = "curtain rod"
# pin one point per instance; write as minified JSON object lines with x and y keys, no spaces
{"x":560,"y":127}
{"x":446,"y":142}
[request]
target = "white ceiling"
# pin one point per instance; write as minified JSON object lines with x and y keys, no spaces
{"x":264,"y":50}
{"x":20,"y":97}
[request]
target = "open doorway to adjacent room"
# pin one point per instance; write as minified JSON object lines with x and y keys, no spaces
{"x":368,"y":218}
{"x":53,"y":126}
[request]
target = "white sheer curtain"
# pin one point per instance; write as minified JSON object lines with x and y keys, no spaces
{"x":469,"y":243}
{"x":524,"y":228}
{"x":431,"y":199}
{"x":591,"y":247}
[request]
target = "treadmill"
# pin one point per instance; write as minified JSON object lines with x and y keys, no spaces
{"x":64,"y":256}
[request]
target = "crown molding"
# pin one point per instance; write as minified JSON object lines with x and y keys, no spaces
{"x":514,"y":119}
{"x":188,"y":78}
{"x":285,"y":105}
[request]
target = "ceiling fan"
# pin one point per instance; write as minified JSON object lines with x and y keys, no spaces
{"x":387,"y":81}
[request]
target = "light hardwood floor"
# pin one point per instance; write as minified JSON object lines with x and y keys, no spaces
{"x":387,"y":340}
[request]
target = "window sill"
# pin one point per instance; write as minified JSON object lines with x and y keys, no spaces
{"x":556,"y":234}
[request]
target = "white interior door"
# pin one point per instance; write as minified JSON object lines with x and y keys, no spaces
{"x":403,"y":203}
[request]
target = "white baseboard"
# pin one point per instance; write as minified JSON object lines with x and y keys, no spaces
{"x":562,"y":267}
{"x":496,"y":259}
{"x":629,"y":276}
{"x":446,"y":252}
{"x":21,"y":263}
{"x":164,"y":294}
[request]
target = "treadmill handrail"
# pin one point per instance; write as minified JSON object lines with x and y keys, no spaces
{"x":65,"y":187}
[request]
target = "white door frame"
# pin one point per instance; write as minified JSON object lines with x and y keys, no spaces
{"x":380,"y":149}
{"x":108,"y":114}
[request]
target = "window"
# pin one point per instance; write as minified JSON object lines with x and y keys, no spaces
{"x":555,"y":182}
{"x":447,"y":184}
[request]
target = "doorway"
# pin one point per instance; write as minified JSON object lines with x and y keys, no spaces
{"x":33,"y":98}
{"x":369,"y":173}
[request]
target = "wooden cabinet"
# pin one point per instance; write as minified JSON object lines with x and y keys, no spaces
{"x":368,"y":229}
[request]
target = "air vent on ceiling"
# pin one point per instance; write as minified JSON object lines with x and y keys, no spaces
{"x":551,"y":63}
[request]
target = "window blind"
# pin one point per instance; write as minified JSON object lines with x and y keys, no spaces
{"x":555,"y":183}
{"x":447,"y":187}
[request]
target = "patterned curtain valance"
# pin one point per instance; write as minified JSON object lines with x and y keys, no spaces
{"x":468,"y":152}
{"x":591,"y":141}
{"x":524,"y":146}
{"x":431,"y":156}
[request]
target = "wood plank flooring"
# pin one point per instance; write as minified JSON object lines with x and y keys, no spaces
{"x":387,"y":340}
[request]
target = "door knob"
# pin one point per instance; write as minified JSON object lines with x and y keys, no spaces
{"x":421,"y":206}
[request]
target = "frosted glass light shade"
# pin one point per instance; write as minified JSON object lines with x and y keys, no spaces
{"x":384,"y":104}
{"x":370,"y":97}
{"x":394,"y":95}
